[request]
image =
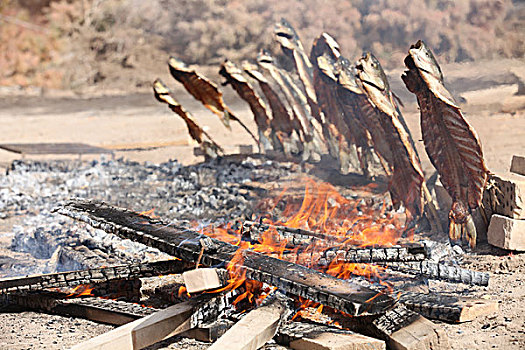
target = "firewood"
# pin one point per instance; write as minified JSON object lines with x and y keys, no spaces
{"x":209,"y":332}
{"x":199,"y":280}
{"x":96,"y":309}
{"x":448,"y":307}
{"x":254,"y":329}
{"x":400,"y":328}
{"x":309,"y":336}
{"x":95,"y":275}
{"x":184,"y":244}
{"x":506,"y":233}
{"x":441,"y":271}
{"x":145,"y":331}
{"x":518,"y":165}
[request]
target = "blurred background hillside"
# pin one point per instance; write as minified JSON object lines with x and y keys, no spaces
{"x":73,"y":44}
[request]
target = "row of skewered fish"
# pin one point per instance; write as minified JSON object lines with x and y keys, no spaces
{"x":328,"y":106}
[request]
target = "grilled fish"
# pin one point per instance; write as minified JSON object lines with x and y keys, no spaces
{"x":205,"y":91}
{"x":450,"y":141}
{"x":407,"y":181}
{"x":242,"y":86}
{"x":164,"y":95}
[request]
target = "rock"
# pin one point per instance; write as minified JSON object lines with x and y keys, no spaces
{"x":518,"y":165}
{"x":507,"y":233}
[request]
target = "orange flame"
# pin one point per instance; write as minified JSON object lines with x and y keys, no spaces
{"x":80,"y":291}
{"x":351,"y":222}
{"x":150,"y":213}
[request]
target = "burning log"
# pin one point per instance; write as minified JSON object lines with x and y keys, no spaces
{"x":160,"y":325}
{"x":256,"y":328}
{"x":96,"y":275}
{"x":439,"y":271}
{"x":240,"y":84}
{"x":291,"y":45}
{"x":285,"y":137}
{"x":184,"y":244}
{"x":204,"y":91}
{"x":331,"y":245}
{"x":448,"y":308}
{"x":451,"y":143}
{"x":210,"y":147}
{"x":407,"y":184}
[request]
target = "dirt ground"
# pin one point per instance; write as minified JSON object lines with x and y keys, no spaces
{"x":137,"y":121}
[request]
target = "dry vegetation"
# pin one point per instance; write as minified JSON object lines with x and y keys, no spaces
{"x":78,"y":43}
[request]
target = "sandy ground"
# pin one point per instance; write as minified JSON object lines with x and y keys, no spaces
{"x":138,"y":121}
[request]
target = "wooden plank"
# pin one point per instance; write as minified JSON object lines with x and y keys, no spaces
{"x":448,"y":307}
{"x":310,"y":336}
{"x":297,"y":280}
{"x":209,"y":332}
{"x":53,"y":148}
{"x":336,"y":341}
{"x":254,"y":329}
{"x":199,"y":280}
{"x":506,"y":233}
{"x":160,"y":325}
{"x":400,"y":328}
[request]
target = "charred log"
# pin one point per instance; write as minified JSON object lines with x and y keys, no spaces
{"x":96,"y":275}
{"x":185,"y":244}
{"x":442,"y":272}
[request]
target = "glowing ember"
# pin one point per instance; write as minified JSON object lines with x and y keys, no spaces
{"x":81,"y":291}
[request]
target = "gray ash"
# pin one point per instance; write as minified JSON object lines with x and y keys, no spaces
{"x":46,"y":242}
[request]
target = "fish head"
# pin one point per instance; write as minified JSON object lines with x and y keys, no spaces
{"x":346,"y":75}
{"x":285,"y":34}
{"x":424,"y":59}
{"x":371,"y":73}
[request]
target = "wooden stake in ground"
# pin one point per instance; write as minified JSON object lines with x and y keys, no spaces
{"x":254,"y":330}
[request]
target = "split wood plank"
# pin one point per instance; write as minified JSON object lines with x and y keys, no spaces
{"x":309,"y":336}
{"x":336,"y":341}
{"x":209,"y":332}
{"x":447,"y":307}
{"x":254,"y":329}
{"x":518,"y":165}
{"x":506,"y":233}
{"x":163,"y":324}
{"x":185,"y":244}
{"x":400,"y":328}
{"x":199,"y":280}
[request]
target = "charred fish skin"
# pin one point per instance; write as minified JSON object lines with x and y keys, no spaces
{"x":407,"y":181}
{"x":339,"y":134}
{"x":451,"y":143}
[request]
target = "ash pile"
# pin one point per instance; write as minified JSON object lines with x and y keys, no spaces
{"x":212,"y":191}
{"x":265,"y":255}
